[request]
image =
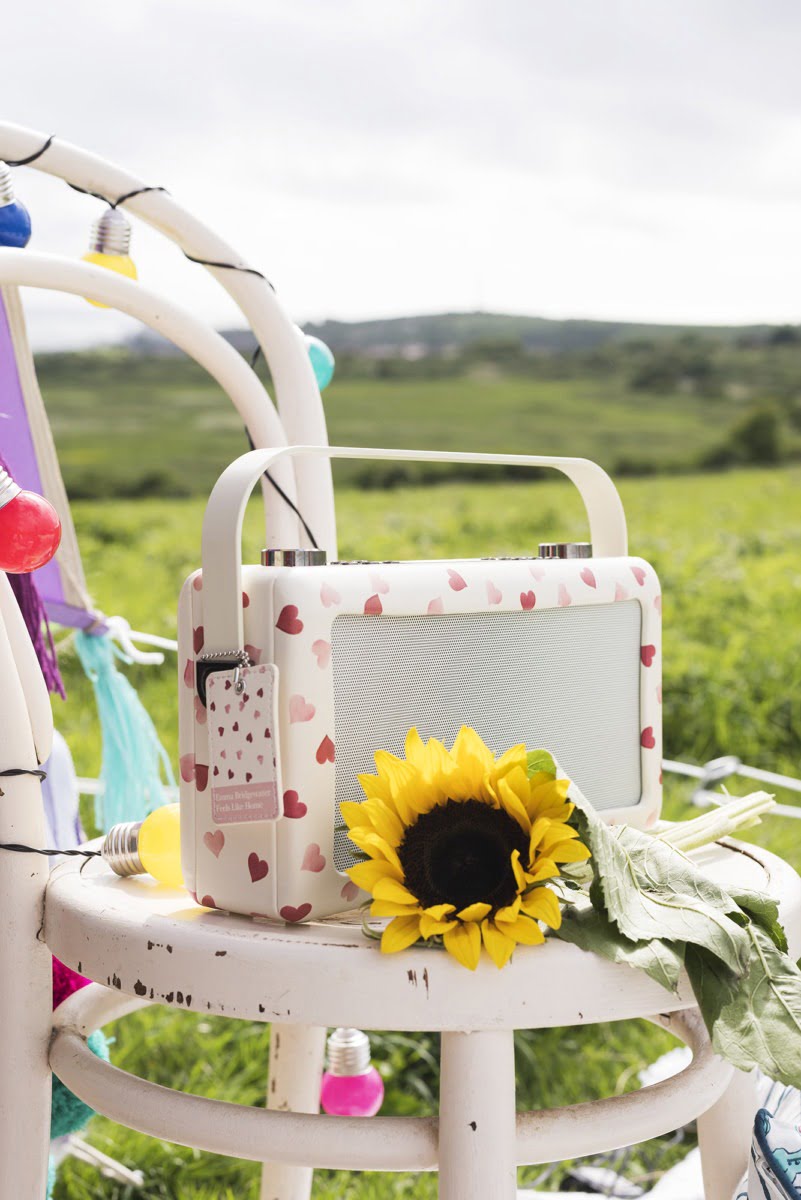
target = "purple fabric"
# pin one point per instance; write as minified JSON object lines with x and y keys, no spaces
{"x":17,"y":448}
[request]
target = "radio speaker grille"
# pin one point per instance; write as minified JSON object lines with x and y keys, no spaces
{"x":567,"y":679}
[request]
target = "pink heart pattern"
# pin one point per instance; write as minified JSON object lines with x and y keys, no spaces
{"x":325,"y":751}
{"x":289,"y":620}
{"x":214,"y":842}
{"x":380,"y":585}
{"x":455,"y":581}
{"x":294,"y":808}
{"x":647,"y":739}
{"x":527,"y":601}
{"x":494,"y":594}
{"x":435,"y":606}
{"x":640,"y":575}
{"x":291,"y":914}
{"x":329,"y":596}
{"x":647,"y":655}
{"x":300,"y":709}
{"x":313,"y":860}
{"x":258,"y":868}
{"x":187,"y":767}
{"x":349,"y":891}
{"x":373,"y":605}
{"x":197,"y":639}
{"x":588,"y":577}
{"x":322,"y":652}
{"x":565,"y":599}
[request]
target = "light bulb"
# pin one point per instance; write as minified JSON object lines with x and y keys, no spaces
{"x":30,"y":529}
{"x":322,"y":361}
{"x":351,"y":1086}
{"x":109,"y":244}
{"x":15,"y":223}
{"x":151,"y":847}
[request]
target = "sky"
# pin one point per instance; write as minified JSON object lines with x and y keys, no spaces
{"x":609,"y":159}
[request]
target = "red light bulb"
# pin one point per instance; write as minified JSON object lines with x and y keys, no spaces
{"x":30,"y":529}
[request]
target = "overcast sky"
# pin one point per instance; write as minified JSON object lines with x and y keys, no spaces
{"x":582,"y":158}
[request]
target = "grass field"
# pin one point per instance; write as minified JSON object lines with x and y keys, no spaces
{"x":131,"y":426}
{"x":726,"y":548}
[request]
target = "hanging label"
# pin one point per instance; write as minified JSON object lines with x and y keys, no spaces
{"x":244,"y":771}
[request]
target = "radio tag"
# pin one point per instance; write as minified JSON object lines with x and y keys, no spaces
{"x":244,"y":770}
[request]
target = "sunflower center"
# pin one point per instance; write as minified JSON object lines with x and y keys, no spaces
{"x":460,"y":853}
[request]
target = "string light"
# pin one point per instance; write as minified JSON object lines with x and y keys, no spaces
{"x":322,"y":361}
{"x":151,"y":847}
{"x":15,"y":221}
{"x":109,"y":244}
{"x":351,"y":1086}
{"x":30,"y":528}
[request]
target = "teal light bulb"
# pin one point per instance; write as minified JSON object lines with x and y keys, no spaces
{"x":322,"y":361}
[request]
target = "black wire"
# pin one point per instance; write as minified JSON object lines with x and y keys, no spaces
{"x":23,"y":162}
{"x":12,"y":773}
{"x":287,"y":499}
{"x":18,"y":849}
{"x":120,"y":199}
{"x":207,"y":262}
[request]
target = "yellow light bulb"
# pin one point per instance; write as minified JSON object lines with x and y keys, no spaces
{"x":160,"y":845}
{"x":152,"y":846}
{"x":109,"y":245}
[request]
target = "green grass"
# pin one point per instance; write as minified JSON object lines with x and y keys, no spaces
{"x":174,"y":431}
{"x":726,"y":548}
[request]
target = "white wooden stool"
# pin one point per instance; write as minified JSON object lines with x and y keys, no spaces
{"x":145,"y":944}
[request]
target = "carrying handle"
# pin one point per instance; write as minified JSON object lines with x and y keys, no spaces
{"x":222,"y":523}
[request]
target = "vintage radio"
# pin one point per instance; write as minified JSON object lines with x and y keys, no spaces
{"x":294,"y":672}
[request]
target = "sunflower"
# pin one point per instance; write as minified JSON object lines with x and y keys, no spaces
{"x":459,"y":846}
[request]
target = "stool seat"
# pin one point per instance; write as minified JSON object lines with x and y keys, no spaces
{"x":146,"y":944}
{"x":155,"y":943}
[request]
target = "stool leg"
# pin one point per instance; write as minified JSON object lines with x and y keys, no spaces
{"x":26,"y":999}
{"x":724,"y":1135}
{"x":477,"y":1151}
{"x":296,"y":1066}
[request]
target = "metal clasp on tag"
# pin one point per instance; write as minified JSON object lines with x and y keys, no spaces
{"x":221,"y":660}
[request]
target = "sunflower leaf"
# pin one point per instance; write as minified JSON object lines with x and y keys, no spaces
{"x":756,"y":1021}
{"x":540,"y":760}
{"x":649,"y":890}
{"x":590,"y":930}
{"x":763,"y":912}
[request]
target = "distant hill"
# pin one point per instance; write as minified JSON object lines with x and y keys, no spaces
{"x":440,"y":333}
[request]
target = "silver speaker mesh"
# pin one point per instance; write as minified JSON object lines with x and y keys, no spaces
{"x":567,"y":679}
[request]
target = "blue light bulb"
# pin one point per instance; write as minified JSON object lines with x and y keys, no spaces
{"x":322,"y":361}
{"x":15,"y":223}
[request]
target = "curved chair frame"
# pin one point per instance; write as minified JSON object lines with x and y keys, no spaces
{"x":297,"y":394}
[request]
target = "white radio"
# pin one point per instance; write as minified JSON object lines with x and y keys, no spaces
{"x":294,"y":672}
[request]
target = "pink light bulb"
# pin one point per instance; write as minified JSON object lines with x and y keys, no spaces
{"x":351,"y":1087}
{"x":30,"y":529}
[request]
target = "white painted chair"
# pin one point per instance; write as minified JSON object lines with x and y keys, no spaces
{"x":146,"y":945}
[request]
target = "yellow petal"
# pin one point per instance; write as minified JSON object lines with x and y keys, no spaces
{"x":464,"y":943}
{"x":391,"y":908}
{"x":508,"y":915}
{"x":543,"y":904}
{"x":366,"y":875}
{"x":516,"y":757}
{"x":512,"y":802}
{"x":539,"y":830}
{"x":544,"y":868}
{"x":569,"y":852}
{"x":474,"y":912}
{"x":354,"y":814}
{"x":429,"y":926}
{"x":548,"y":799}
{"x":400,"y":934}
{"x":524,"y":930}
{"x":390,"y":889}
{"x":374,"y":788}
{"x":386,"y":822}
{"x":438,"y":911}
{"x":520,"y":875}
{"x":375,"y":846}
{"x":499,"y":946}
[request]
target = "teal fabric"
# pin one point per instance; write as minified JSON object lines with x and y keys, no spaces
{"x":69,"y":1114}
{"x":133,"y":756}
